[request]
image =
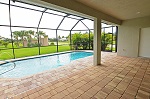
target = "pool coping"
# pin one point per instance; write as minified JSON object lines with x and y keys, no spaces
{"x":44,"y":55}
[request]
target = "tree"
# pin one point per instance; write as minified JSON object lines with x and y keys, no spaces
{"x":83,"y":40}
{"x":80,"y":40}
{"x":1,"y":42}
{"x":52,"y":39}
{"x":22,"y":35}
{"x":76,"y":38}
{"x":106,"y":39}
{"x":30,"y":33}
{"x":5,"y":44}
{"x":16,"y":37}
{"x":40,"y":33}
{"x":59,"y":37}
{"x":91,"y":39}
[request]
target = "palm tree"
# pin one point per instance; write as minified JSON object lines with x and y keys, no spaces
{"x":40,"y":33}
{"x":16,"y":37}
{"x":22,"y":35}
{"x":30,"y":33}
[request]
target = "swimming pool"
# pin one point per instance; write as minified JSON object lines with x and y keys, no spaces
{"x":35,"y":65}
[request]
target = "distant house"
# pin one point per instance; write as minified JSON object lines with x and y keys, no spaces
{"x":63,"y":39}
{"x":43,"y":41}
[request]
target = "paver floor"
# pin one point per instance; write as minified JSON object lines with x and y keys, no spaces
{"x":117,"y":78}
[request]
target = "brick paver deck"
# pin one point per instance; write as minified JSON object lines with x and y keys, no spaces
{"x":117,"y":78}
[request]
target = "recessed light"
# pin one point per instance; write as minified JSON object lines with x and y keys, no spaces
{"x":138,"y":12}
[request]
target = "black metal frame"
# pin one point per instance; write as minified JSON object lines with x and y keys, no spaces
{"x":38,"y":30}
{"x":56,"y":29}
{"x":112,"y":34}
{"x":11,"y":31}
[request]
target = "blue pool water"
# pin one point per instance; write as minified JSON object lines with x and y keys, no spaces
{"x":35,"y":65}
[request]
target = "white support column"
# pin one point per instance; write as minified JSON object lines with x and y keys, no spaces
{"x":97,"y":41}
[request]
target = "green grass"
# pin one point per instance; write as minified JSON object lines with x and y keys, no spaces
{"x":63,"y":43}
{"x":114,"y":42}
{"x":20,"y":45}
{"x":24,"y":52}
{"x":108,"y":48}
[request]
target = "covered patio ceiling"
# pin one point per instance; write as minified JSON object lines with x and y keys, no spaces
{"x":121,"y":9}
{"x":110,"y":10}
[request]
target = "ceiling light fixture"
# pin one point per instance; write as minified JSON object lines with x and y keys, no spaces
{"x":138,"y":12}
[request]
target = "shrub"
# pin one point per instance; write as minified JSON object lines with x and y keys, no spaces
{"x":105,"y":41}
{"x":5,"y":43}
{"x":52,"y":43}
{"x":30,"y":45}
{"x":37,"y":45}
{"x":1,"y":42}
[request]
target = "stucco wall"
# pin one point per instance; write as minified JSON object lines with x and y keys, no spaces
{"x":144,"y":47}
{"x":128,"y":36}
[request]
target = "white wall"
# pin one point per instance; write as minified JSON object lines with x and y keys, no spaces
{"x":129,"y":34}
{"x":144,"y":47}
{"x":128,"y":39}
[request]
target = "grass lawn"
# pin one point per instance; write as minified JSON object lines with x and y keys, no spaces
{"x":24,"y":52}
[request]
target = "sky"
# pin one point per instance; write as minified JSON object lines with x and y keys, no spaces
{"x":30,"y":18}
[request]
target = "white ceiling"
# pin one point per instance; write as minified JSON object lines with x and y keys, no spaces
{"x":121,"y":9}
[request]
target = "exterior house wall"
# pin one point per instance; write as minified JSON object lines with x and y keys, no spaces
{"x":129,"y":36}
{"x":144,"y":46}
